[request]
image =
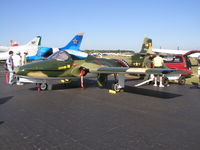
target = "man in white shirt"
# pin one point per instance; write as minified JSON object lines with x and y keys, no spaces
{"x":24,"y":57}
{"x":17,"y":60}
{"x":158,"y":63}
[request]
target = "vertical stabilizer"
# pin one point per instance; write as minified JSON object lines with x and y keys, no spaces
{"x":147,"y":46}
{"x":75,"y":43}
{"x":35,"y":42}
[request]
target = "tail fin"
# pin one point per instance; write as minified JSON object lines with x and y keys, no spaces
{"x":35,"y":42}
{"x":146,"y":46}
{"x":75,"y":43}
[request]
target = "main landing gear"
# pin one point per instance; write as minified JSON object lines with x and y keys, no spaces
{"x":118,"y":86}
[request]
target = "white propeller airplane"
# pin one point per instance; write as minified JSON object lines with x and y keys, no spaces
{"x":171,"y":51}
{"x":31,"y":47}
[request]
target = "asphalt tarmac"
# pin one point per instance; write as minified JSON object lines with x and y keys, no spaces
{"x":68,"y":118}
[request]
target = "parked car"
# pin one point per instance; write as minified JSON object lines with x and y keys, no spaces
{"x":181,"y":62}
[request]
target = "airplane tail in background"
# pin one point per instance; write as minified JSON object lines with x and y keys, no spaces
{"x":75,"y":43}
{"x":147,"y":46}
{"x":35,"y":42}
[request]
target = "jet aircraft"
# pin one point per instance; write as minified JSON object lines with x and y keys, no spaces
{"x":69,"y":64}
{"x":31,"y":47}
{"x":44,"y":52}
{"x":137,"y":58}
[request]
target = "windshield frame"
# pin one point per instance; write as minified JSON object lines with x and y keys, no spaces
{"x":60,"y":56}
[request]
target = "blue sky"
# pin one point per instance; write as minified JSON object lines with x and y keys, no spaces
{"x":107,"y":24}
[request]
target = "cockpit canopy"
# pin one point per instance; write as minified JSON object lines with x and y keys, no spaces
{"x":60,"y":56}
{"x":63,"y":55}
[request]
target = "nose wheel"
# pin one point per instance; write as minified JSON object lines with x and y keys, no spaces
{"x":43,"y":86}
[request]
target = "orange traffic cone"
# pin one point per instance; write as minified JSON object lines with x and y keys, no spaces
{"x":7,"y":77}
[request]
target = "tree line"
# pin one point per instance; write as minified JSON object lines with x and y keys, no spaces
{"x":109,"y":51}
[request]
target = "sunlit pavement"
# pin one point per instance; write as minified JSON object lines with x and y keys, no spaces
{"x":92,"y":119}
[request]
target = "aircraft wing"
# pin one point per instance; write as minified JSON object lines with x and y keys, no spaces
{"x":121,"y":71}
{"x":127,"y":70}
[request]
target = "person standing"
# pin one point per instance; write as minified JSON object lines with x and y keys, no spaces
{"x":24,"y":58}
{"x":10,"y":66}
{"x":158,"y":62}
{"x":17,"y":59}
{"x":147,"y":63}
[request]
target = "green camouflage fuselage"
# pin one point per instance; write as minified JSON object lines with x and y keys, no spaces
{"x":68,"y":68}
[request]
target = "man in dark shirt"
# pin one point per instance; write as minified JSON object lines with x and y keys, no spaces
{"x":147,"y":63}
{"x":10,"y":66}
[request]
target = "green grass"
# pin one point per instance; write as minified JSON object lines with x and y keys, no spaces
{"x":193,"y":61}
{"x":194,"y":78}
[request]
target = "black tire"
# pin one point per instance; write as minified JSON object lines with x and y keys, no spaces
{"x":165,"y":81}
{"x":181,"y":80}
{"x":43,"y":86}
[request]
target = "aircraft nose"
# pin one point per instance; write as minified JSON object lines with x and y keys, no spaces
{"x":16,"y":70}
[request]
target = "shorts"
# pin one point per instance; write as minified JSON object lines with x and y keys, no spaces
{"x":158,"y":74}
